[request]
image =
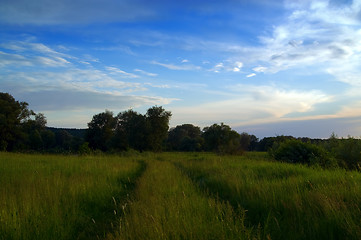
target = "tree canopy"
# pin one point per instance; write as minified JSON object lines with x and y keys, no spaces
{"x":12,"y":114}
{"x":129,"y":129}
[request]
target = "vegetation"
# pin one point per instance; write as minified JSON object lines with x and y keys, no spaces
{"x":296,"y":151}
{"x":168,"y":206}
{"x":129,"y":130}
{"x":63,"y":197}
{"x":287,"y":201}
{"x":174,"y":196}
{"x":23,"y":130}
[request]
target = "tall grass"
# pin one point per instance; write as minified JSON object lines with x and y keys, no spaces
{"x":168,"y":206}
{"x":288,"y":201}
{"x":174,"y":196}
{"x":62,"y":197}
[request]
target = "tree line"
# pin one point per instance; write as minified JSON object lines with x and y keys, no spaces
{"x":21,"y":129}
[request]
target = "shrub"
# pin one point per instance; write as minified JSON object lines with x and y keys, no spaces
{"x":84,"y":149}
{"x":296,"y":151}
{"x":348,"y":153}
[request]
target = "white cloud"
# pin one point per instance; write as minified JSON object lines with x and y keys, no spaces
{"x":316,"y":33}
{"x":121,"y":73}
{"x":188,"y":67}
{"x":251,"y":75}
{"x":146,"y":73}
{"x":32,"y":54}
{"x":7,"y":59}
{"x":251,"y":104}
{"x":238,"y":64}
{"x":260,"y":69}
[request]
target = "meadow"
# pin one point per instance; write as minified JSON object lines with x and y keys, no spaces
{"x":175,"y":196}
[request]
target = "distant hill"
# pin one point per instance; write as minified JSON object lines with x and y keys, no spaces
{"x":80,"y":133}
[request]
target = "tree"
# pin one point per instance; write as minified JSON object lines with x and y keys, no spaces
{"x":131,"y":131}
{"x":63,"y":139}
{"x":158,"y":122}
{"x":101,"y":131}
{"x":12,"y":115}
{"x":222,"y":139}
{"x":185,"y":137}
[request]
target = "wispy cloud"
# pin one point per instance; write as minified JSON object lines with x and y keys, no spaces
{"x":251,"y":104}
{"x":184,"y":67}
{"x":31,"y":54}
{"x":146,"y":73}
{"x":251,"y":75}
{"x":73,"y":88}
{"x":121,"y":73}
{"x":316,"y":33}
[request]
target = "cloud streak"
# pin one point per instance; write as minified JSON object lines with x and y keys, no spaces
{"x":183,"y":67}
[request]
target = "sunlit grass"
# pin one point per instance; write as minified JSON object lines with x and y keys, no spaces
{"x":289,"y":201}
{"x":61,"y":197}
{"x":175,"y":196}
{"x":168,"y":206}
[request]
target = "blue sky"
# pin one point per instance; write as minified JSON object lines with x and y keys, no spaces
{"x":264,"y":67}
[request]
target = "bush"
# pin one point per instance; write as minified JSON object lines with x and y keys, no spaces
{"x":84,"y":149}
{"x":296,"y":151}
{"x":348,"y":153}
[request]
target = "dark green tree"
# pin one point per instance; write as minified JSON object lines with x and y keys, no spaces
{"x":222,"y":139}
{"x":63,"y":140}
{"x":186,"y":137}
{"x":131,"y":131}
{"x":158,"y":123}
{"x":12,"y":114}
{"x":101,"y":131}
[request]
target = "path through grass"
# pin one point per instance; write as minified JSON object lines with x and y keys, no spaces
{"x":168,"y":206}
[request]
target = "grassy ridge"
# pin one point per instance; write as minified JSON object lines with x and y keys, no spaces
{"x":289,"y":201}
{"x":169,"y":206}
{"x":62,"y":197}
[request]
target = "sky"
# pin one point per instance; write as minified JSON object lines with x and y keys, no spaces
{"x":263,"y":67}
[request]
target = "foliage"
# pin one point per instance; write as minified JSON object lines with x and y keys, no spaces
{"x":158,"y":122}
{"x":222,"y":139}
{"x":100,"y":131}
{"x":347,"y":151}
{"x":186,"y":137}
{"x":296,"y":151}
{"x":12,"y":114}
{"x":248,"y":142}
{"x":131,"y":131}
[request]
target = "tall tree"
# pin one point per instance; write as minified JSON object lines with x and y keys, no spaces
{"x":131,"y":131}
{"x":101,"y":131}
{"x":186,"y":137}
{"x":222,"y":139}
{"x":12,"y":114}
{"x":158,"y":122}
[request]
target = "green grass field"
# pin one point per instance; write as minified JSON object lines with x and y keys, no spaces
{"x":174,"y":196}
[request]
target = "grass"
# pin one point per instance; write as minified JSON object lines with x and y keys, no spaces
{"x":288,"y":201}
{"x":168,"y":206}
{"x":174,"y":196}
{"x":62,"y":197}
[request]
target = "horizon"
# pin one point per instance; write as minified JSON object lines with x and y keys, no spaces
{"x":267,"y":68}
